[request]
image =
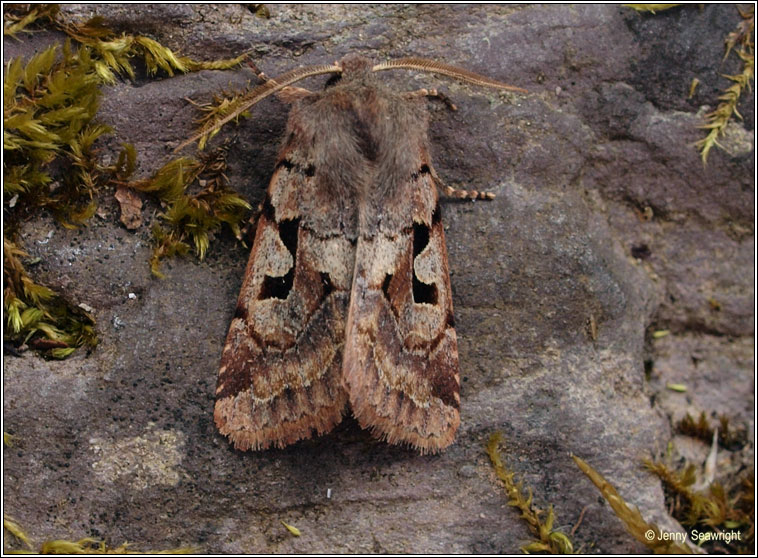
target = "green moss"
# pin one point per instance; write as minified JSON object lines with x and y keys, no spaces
{"x":741,"y":41}
{"x":214,"y":115}
{"x":17,"y":17}
{"x":199,"y":202}
{"x":86,"y":545}
{"x":700,"y":428}
{"x":12,"y":526}
{"x":651,"y":8}
{"x":39,"y":317}
{"x":631,"y":517}
{"x":93,"y":546}
{"x":540,"y":522}
{"x":711,"y":509}
{"x":51,"y":163}
{"x":291,"y":528}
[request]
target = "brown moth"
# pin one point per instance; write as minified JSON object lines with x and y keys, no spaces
{"x":346,"y":299}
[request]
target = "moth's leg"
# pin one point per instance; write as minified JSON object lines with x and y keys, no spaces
{"x":288,"y":94}
{"x":456,"y":193}
{"x":433,"y":93}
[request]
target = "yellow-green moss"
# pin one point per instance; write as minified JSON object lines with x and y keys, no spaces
{"x":652,"y":8}
{"x":291,"y":528}
{"x":700,"y":428}
{"x":85,"y":545}
{"x":540,"y":522}
{"x":193,"y":216}
{"x":741,"y":41}
{"x":711,"y":509}
{"x":38,"y":316}
{"x":12,"y":526}
{"x":631,"y":517}
{"x":50,"y":162}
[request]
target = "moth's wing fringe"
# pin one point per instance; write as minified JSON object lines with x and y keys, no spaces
{"x":435,"y":67}
{"x":387,"y":429}
{"x":392,"y":415}
{"x":282,"y":434}
{"x":258,"y":94}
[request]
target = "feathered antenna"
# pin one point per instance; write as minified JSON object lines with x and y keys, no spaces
{"x":426,"y":65}
{"x":258,"y":94}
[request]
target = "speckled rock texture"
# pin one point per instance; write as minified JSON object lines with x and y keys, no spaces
{"x":604,"y":214}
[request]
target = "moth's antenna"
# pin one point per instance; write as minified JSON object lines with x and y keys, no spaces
{"x":426,"y":65}
{"x":259,"y":93}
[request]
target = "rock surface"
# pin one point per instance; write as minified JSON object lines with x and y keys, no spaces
{"x":604,"y":213}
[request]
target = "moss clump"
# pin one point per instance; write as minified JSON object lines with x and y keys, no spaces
{"x":93,"y":546}
{"x":710,"y":510}
{"x":86,"y":545}
{"x":50,"y":102}
{"x":39,"y":317}
{"x":51,"y":163}
{"x":112,"y":52}
{"x":17,"y":17}
{"x":700,"y":428}
{"x":199,"y":201}
{"x":708,"y":507}
{"x":539,"y":522}
{"x":12,"y":526}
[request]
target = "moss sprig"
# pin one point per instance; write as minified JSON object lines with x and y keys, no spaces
{"x":114,"y":52}
{"x":631,"y":516}
{"x":741,"y":41}
{"x":540,"y":522}
{"x":19,"y":17}
{"x":90,"y":545}
{"x":651,"y":8}
{"x":214,"y":112}
{"x":86,"y":545}
{"x":13,"y":527}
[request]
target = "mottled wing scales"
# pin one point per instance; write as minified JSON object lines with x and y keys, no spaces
{"x":280,"y":376}
{"x":401,"y":356}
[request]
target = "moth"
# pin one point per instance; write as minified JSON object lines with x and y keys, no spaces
{"x":345,"y":301}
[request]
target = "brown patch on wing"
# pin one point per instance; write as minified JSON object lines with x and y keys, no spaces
{"x":280,"y":376}
{"x":401,"y":357}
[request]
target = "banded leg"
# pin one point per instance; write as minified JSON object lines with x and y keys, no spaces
{"x":451,"y":192}
{"x":433,"y":93}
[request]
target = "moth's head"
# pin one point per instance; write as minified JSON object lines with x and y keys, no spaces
{"x":352,"y":68}
{"x":354,"y":65}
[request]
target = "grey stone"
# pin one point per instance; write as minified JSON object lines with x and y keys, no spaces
{"x":604,"y":213}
